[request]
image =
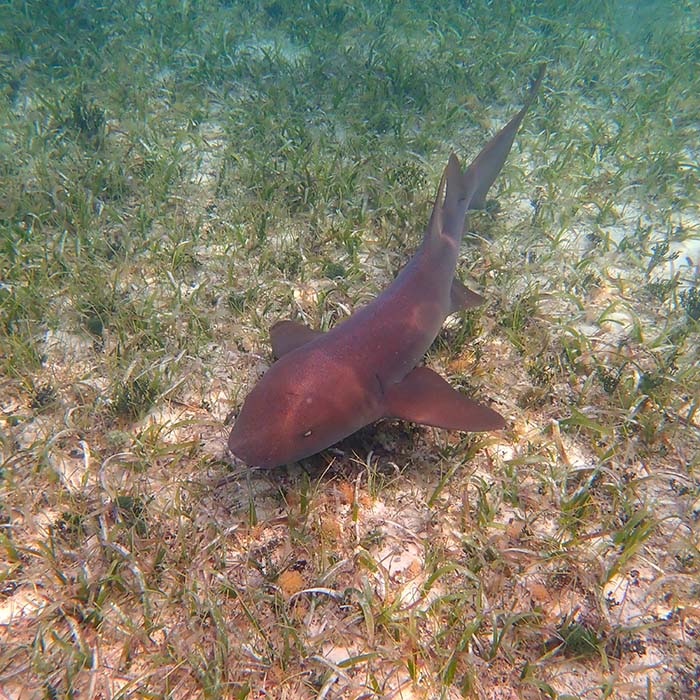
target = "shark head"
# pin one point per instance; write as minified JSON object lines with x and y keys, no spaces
{"x":288,"y":416}
{"x":268,"y":434}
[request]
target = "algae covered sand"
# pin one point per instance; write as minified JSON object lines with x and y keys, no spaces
{"x":175,"y":177}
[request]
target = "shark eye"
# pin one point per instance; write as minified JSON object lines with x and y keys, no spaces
{"x":307,"y":433}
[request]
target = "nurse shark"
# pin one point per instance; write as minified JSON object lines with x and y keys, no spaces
{"x":326,"y":386}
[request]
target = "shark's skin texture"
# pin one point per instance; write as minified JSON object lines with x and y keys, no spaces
{"x":326,"y":386}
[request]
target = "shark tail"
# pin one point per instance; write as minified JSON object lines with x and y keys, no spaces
{"x":467,"y":190}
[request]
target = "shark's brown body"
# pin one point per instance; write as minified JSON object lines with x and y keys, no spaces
{"x":325,"y":387}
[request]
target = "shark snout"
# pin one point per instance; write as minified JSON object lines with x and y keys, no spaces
{"x":249,"y":450}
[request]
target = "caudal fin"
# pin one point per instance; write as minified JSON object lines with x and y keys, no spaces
{"x":467,"y":190}
{"x":483,"y":171}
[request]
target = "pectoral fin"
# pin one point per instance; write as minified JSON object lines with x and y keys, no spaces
{"x":425,"y":397}
{"x":463,"y":298}
{"x":286,"y":336}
